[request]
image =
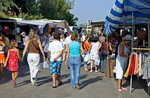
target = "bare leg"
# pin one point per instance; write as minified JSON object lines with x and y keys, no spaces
{"x":92,"y":62}
{"x":2,"y":72}
{"x":59,"y":79}
{"x":96,"y":68}
{"x":54,"y":79}
{"x":119,"y":83}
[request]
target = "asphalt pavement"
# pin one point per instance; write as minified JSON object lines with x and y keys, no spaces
{"x":93,"y":85}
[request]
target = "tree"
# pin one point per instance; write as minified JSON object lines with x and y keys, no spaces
{"x":6,"y":6}
{"x":58,"y":10}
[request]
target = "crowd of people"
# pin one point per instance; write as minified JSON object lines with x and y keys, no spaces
{"x":74,"y":50}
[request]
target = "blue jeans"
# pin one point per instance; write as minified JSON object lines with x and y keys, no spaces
{"x":103,"y":57}
{"x":85,"y":63}
{"x":74,"y":65}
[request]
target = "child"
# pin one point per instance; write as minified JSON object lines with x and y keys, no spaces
{"x":55,"y":51}
{"x":94,"y":56}
{"x":12,"y":58}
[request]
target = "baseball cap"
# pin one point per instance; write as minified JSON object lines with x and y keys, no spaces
{"x":128,"y":37}
{"x":23,"y":33}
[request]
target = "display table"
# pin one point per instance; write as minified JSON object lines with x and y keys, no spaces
{"x":111,"y":63}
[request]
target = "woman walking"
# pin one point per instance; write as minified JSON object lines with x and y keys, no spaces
{"x":86,"y":51}
{"x":122,"y":60}
{"x":12,"y":59}
{"x":104,"y":51}
{"x":2,"y":57}
{"x":62,"y":39}
{"x":73,"y":60}
{"x":33,"y":58}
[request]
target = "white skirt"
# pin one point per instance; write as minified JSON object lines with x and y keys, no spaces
{"x":121,"y":64}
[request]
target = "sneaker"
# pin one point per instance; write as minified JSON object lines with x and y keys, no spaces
{"x":34,"y":82}
{"x":91,"y":70}
{"x":96,"y":70}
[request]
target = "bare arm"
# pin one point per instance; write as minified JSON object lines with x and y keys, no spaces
{"x":3,"y":44}
{"x":67,"y":56}
{"x":99,"y":48}
{"x":25,"y":49}
{"x":60,"y":53}
{"x":110,"y":46}
{"x":41,"y":49}
{"x":121,"y":51}
{"x":18,"y":55}
{"x":81,"y":48}
{"x":6,"y":59}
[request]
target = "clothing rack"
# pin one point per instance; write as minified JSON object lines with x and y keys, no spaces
{"x":131,"y":81}
{"x":141,"y":48}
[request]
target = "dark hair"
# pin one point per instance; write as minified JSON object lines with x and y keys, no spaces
{"x":56,"y":36}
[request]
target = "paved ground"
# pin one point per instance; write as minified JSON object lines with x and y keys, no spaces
{"x":93,"y":85}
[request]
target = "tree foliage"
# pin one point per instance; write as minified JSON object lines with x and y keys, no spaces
{"x":38,"y":9}
{"x":58,"y":10}
{"x":5,"y":6}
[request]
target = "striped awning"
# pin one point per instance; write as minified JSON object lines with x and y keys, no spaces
{"x":122,"y":12}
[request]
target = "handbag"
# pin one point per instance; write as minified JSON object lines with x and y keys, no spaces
{"x":36,"y":47}
{"x":87,"y":57}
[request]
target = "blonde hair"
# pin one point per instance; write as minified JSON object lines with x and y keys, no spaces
{"x":12,"y":44}
{"x":32,"y":35}
{"x":74,"y":37}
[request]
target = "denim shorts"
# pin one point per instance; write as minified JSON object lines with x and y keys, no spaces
{"x":55,"y":67}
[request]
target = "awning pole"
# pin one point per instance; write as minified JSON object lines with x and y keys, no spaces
{"x":148,"y":32}
{"x":132,"y":44}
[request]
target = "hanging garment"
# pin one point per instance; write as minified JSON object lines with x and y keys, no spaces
{"x":146,"y":74}
{"x":132,"y":65}
{"x":136,"y":71}
{"x":140,"y":65}
{"x":127,"y":71}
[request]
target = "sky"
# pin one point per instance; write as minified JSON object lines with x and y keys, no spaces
{"x":95,"y":10}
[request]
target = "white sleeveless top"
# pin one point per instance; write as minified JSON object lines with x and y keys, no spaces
{"x":126,"y":51}
{"x":1,"y":52}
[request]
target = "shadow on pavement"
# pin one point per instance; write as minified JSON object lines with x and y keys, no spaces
{"x":137,"y":84}
{"x":90,"y":81}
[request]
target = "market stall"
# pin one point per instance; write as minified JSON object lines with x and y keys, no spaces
{"x":8,"y":27}
{"x":133,"y":12}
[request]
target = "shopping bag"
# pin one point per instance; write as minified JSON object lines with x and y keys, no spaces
{"x":87,"y":57}
{"x":97,"y":60}
{"x":45,"y":64}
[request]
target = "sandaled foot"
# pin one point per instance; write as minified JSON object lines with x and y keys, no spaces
{"x":124,"y":89}
{"x":119,"y":90}
{"x":59,"y":84}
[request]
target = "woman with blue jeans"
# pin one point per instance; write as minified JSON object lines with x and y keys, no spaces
{"x":73,"y":60}
{"x":104,"y":51}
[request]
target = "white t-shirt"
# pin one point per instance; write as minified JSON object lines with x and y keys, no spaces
{"x":55,"y":47}
{"x":83,"y":37}
{"x":68,"y":40}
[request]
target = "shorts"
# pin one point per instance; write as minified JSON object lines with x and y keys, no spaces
{"x":2,"y":58}
{"x":55,"y":67}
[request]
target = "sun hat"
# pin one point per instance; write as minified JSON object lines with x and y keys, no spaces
{"x":23,"y":33}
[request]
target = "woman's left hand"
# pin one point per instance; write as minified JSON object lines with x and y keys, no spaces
{"x":43,"y":58}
